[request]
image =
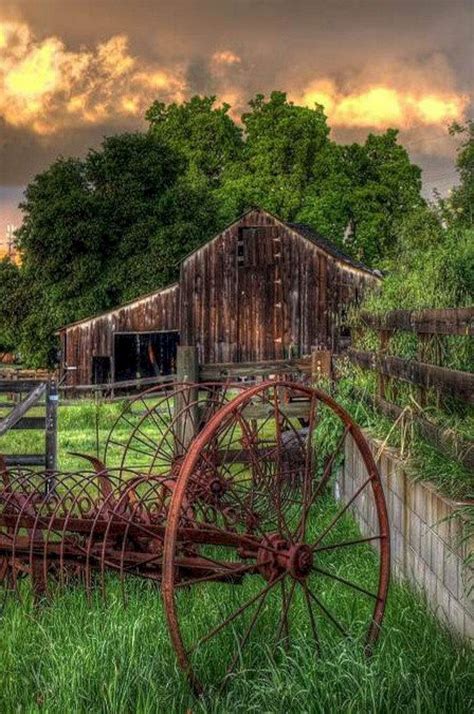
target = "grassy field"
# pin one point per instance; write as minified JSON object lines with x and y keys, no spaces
{"x":115,"y":655}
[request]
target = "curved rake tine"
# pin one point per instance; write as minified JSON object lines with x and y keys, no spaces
{"x":101,"y":471}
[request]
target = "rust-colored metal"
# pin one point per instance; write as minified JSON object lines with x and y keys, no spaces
{"x":242,"y":518}
{"x":288,"y":540}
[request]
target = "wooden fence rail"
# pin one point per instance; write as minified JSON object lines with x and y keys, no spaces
{"x":233,"y":370}
{"x":449,"y":321}
{"x":116,"y":386}
{"x":451,"y":382}
{"x":426,"y":377}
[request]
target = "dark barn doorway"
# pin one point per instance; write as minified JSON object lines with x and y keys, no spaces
{"x":144,"y":354}
{"x":101,"y":370}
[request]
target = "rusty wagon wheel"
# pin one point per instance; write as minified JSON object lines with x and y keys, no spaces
{"x":280,"y":547}
{"x":154,"y":430}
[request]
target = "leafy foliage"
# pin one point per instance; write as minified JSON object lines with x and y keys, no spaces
{"x":204,"y":135}
{"x":462,"y":197}
{"x":100,"y":231}
{"x":11,"y":304}
{"x":285,"y":148}
{"x":107,"y":228}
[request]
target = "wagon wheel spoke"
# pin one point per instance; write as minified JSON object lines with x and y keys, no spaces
{"x":346,"y":544}
{"x":312,"y":618}
{"x":342,"y":511}
{"x":143,"y":438}
{"x":344,"y":581}
{"x":342,"y":630}
{"x":230,"y":618}
{"x":320,"y":484}
{"x":244,"y":570}
{"x":284,"y":625}
{"x":307,"y":477}
{"x":243,"y":641}
{"x":273,"y":493}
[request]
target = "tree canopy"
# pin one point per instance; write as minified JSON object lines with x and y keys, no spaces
{"x":103,"y":229}
{"x":433,"y":261}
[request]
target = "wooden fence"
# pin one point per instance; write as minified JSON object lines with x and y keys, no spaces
{"x":426,"y":377}
{"x":31,"y":394}
{"x":109,"y":390}
{"x":318,"y":364}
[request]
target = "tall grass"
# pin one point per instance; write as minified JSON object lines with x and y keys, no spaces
{"x":108,"y":657}
{"x":72,"y":655}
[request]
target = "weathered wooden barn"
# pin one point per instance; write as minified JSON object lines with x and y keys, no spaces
{"x":260,"y":289}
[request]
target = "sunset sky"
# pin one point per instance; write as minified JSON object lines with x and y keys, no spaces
{"x":72,"y":71}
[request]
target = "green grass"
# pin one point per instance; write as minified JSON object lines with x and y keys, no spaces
{"x":423,"y":461}
{"x":70,"y":655}
{"x":73,"y":657}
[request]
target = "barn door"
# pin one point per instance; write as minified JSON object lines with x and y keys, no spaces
{"x":101,"y":370}
{"x":145,"y":354}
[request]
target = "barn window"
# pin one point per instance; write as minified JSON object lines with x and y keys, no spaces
{"x":253,"y":246}
{"x":241,"y":247}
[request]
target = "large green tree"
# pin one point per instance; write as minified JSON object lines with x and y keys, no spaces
{"x":12,"y":304}
{"x":202,"y":133}
{"x":367,"y":189}
{"x":432,"y":262}
{"x":105,"y":229}
{"x":286,"y":147}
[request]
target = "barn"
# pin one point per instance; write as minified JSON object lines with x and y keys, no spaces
{"x":260,"y":289}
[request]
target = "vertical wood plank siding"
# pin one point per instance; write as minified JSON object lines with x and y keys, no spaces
{"x":281,"y":294}
{"x":287,"y":295}
{"x":95,"y":337}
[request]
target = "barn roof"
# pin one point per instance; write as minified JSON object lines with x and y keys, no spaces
{"x":123,"y":305}
{"x":307,"y":232}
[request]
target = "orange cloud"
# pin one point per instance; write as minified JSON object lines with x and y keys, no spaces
{"x":226,"y":57}
{"x":45,"y":87}
{"x":380,"y":106}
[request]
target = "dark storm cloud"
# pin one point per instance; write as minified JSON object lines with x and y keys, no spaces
{"x":338,"y":50}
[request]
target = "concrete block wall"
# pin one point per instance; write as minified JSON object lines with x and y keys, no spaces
{"x":427,"y":533}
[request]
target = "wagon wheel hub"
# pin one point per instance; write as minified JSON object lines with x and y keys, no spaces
{"x":276,"y":556}
{"x":300,"y":560}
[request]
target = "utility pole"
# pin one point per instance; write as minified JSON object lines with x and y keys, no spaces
{"x":10,"y":240}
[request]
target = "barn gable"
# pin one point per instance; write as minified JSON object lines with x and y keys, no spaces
{"x":264,"y":289}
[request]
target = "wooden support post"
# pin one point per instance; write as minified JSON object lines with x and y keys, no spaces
{"x":321,"y":362}
{"x":382,"y":380}
{"x":424,"y":341}
{"x":52,"y":399}
{"x":187,"y":370}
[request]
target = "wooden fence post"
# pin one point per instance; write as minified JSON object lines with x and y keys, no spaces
{"x":424,"y":341}
{"x":382,"y":380}
{"x":52,"y":399}
{"x":321,"y":364}
{"x":187,"y":370}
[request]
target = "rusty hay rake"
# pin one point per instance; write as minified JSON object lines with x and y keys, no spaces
{"x":218,"y":493}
